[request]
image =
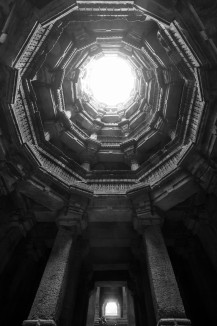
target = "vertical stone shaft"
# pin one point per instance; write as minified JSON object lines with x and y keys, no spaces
{"x":91,"y":308}
{"x":130,"y":309}
{"x":165,"y":293}
{"x":124,"y":293}
{"x":97,"y":312}
{"x":48,"y":300}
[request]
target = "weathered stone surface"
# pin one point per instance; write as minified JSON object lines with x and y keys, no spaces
{"x":48,"y":300}
{"x":91,"y":308}
{"x":166,"y":297}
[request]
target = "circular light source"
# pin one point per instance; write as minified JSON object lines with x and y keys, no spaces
{"x":111,"y":309}
{"x":109,"y":80}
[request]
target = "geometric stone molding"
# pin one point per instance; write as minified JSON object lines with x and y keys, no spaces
{"x":173,"y":322}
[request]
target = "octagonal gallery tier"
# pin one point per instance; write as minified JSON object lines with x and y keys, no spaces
{"x":78,"y":136}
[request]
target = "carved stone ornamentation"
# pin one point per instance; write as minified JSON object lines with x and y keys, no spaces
{"x":73,"y":215}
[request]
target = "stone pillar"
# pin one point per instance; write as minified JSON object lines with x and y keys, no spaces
{"x":124,"y":293}
{"x":89,"y":155}
{"x":86,"y":165}
{"x":129,"y":149}
{"x":52,"y":130}
{"x":47,"y":305}
{"x":130,"y":309}
{"x":125,"y":126}
{"x":93,"y":136}
{"x":134,"y":165}
{"x":168,"y":305}
{"x":97,"y":312}
{"x":91,"y":308}
{"x":47,"y":136}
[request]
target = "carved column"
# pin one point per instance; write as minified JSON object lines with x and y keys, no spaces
{"x":47,"y":305}
{"x":97,"y":312}
{"x":167,"y":302}
{"x":89,"y":155}
{"x":52,"y":130}
{"x":125,"y":126}
{"x":130,"y":309}
{"x":168,"y":305}
{"x":97,"y":126}
{"x":91,"y":308}
{"x":86,"y":164}
{"x":134,"y":164}
{"x":129,"y":149}
{"x":124,"y":293}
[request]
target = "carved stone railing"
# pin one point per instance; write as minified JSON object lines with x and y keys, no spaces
{"x":31,"y":47}
{"x":100,"y":180}
{"x":55,"y":10}
{"x":195,"y":119}
{"x":107,"y":8}
{"x":22,"y":117}
{"x":54,"y":166}
{"x":110,"y":187}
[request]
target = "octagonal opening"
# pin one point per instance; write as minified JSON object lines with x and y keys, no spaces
{"x":109,"y":80}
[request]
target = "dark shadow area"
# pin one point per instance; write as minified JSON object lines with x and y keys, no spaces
{"x":197,"y":283}
{"x":21,"y":277}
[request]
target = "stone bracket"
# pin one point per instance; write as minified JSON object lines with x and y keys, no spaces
{"x":39,"y":322}
{"x":141,"y":222}
{"x":174,"y":322}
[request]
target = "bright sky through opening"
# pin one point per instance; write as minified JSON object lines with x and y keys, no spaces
{"x":111,"y":309}
{"x":111,"y":80}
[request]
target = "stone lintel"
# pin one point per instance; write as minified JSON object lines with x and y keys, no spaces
{"x":39,"y":322}
{"x":174,"y":322}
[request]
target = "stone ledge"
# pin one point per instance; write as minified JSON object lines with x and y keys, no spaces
{"x":174,"y":322}
{"x":39,"y":322}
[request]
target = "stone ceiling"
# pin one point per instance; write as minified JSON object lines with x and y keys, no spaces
{"x":151,"y":141}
